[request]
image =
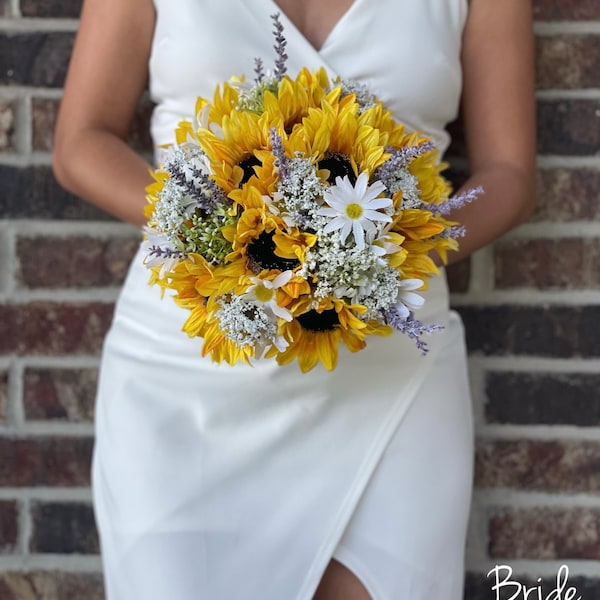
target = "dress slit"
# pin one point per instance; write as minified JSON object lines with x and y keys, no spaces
{"x":389,"y":426}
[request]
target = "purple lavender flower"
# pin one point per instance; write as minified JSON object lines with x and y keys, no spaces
{"x":400,"y":158}
{"x":208,"y":195}
{"x":455,"y":202}
{"x":165,"y":252}
{"x":411,"y":327}
{"x":259,"y":70}
{"x":278,"y":151}
{"x":280,"y":44}
{"x":455,"y":232}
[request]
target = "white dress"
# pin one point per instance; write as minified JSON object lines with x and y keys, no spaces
{"x":241,"y":483}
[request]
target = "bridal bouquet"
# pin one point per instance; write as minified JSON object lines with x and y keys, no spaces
{"x":296,"y":214}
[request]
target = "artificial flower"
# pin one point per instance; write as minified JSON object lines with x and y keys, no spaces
{"x":295,"y":215}
{"x":354,"y":208}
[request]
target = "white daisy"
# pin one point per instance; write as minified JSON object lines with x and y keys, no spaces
{"x":262,"y":291}
{"x":407,"y":299}
{"x":354,"y":208}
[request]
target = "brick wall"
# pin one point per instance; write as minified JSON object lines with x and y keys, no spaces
{"x":531,"y":305}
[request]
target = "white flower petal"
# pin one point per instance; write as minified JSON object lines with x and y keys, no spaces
{"x":280,"y":343}
{"x":380,"y":203}
{"x":328,"y":212}
{"x":411,"y":284}
{"x":281,"y":312}
{"x":333,"y":225}
{"x":412,"y":300}
{"x":373,"y":215}
{"x":359,"y":235}
{"x":371,"y":195}
{"x":378,"y":250}
{"x":361,"y":184}
{"x":345,"y":230}
{"x":403,"y":312}
{"x":369,"y":228}
{"x":282,"y":279}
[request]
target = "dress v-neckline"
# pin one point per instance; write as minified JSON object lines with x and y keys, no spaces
{"x":339,"y":23}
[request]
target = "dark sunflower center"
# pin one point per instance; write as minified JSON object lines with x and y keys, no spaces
{"x":261,"y":255}
{"x":338,"y":166}
{"x":319,"y":321}
{"x":247,"y":166}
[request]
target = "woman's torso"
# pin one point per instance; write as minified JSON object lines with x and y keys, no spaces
{"x":407,"y":51}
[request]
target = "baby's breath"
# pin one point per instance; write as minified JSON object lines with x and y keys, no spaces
{"x":174,"y":207}
{"x":402,"y":179}
{"x":364,"y":97}
{"x":381,"y":293}
{"x":339,"y":270}
{"x":301,"y":191}
{"x":245,"y":323}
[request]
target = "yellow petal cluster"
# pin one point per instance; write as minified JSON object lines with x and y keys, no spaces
{"x":313,"y":119}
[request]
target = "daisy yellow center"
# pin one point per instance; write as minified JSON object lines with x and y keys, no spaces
{"x":354,"y":211}
{"x":264,"y":294}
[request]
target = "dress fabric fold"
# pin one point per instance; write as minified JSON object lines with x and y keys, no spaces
{"x":242,"y":482}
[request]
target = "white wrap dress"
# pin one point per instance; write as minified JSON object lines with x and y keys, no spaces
{"x":241,"y":483}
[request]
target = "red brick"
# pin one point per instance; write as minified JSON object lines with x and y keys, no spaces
{"x":9,"y":526}
{"x":60,"y":394}
{"x":63,"y":528}
{"x":7,"y":121}
{"x":543,"y":398}
{"x":569,"y":263}
{"x":569,"y":127}
{"x":43,"y":119}
{"x":78,"y":261}
{"x":545,"y":533}
{"x":49,"y":329}
{"x":549,"y":331}
{"x":45,"y":461}
{"x":568,"y":61}
{"x":569,"y":10}
{"x":567,"y":195}
{"x":32,"y":192}
{"x":51,"y":8}
{"x":35,"y":58}
{"x":50,"y":585}
{"x":556,"y":466}
{"x":3,"y":397}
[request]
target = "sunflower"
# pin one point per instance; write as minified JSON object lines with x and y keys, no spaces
{"x":314,"y":335}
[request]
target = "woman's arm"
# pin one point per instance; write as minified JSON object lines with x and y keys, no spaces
{"x":107,"y":75}
{"x":499,"y":119}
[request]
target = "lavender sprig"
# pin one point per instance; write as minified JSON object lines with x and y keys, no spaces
{"x":400,"y":158}
{"x":259,"y":70}
{"x":280,"y":44}
{"x":166,"y":252}
{"x":278,"y":151}
{"x":207,"y":195}
{"x":458,"y":201}
{"x":455,"y":232}
{"x":411,"y":327}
